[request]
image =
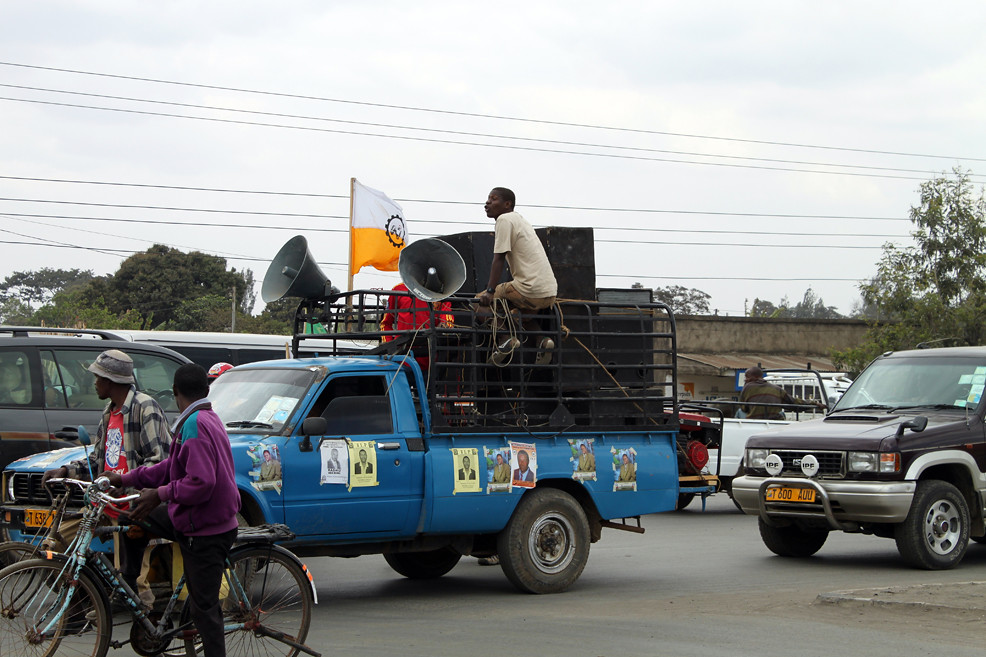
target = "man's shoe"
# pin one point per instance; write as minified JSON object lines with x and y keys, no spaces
{"x":544,"y":351}
{"x":489,"y":561}
{"x":504,"y":351}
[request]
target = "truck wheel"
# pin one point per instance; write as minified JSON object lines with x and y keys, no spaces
{"x":792,"y":541}
{"x":684,"y":499}
{"x":545,"y":545}
{"x":423,"y":565}
{"x":935,"y":533}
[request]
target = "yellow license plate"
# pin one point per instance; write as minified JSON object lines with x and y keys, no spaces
{"x":785,"y":494}
{"x":38,"y":518}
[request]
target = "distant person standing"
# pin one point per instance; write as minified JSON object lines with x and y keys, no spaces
{"x":758,"y":391}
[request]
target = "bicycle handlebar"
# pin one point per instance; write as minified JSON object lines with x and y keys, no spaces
{"x":101,"y":485}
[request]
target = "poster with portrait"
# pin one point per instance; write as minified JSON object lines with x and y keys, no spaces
{"x":524,"y":463}
{"x":497,"y":469}
{"x":335,"y":462}
{"x":265,"y":467}
{"x":624,"y":468}
{"x":465,"y":470}
{"x":362,"y":463}
{"x":583,"y":459}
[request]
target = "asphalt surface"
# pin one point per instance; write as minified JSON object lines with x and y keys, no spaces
{"x":695,"y":584}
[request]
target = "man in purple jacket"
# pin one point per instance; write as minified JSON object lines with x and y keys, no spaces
{"x":191,"y":498}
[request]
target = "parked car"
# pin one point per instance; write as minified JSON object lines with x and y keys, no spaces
{"x":46,"y":390}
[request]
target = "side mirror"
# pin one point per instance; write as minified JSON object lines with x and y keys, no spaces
{"x":312,"y":426}
{"x":916,"y":424}
{"x":84,"y":436}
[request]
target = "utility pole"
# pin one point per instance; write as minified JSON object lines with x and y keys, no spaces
{"x":232,"y":324}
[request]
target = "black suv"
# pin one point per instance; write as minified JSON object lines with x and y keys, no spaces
{"x":46,"y":390}
{"x":902,"y":455}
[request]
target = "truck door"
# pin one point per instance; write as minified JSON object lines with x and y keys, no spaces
{"x":358,"y":409}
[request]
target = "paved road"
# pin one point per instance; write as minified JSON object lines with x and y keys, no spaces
{"x":696,"y":584}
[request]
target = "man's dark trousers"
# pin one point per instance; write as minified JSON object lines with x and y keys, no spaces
{"x":205,"y":561}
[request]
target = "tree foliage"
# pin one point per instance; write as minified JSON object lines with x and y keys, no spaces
{"x":811,"y":306}
{"x":74,"y":308}
{"x":156,"y":282}
{"x":682,"y":300}
{"x":935,"y":290}
{"x":36,"y":288}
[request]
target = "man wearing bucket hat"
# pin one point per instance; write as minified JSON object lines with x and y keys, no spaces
{"x":132,"y":432}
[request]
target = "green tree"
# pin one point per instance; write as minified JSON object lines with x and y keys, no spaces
{"x":36,"y":288}
{"x":811,"y":306}
{"x":206,"y":313}
{"x":932,"y":291}
{"x":156,"y":282}
{"x":683,"y":300}
{"x":15,"y":312}
{"x":277,"y":318}
{"x":76,"y":309}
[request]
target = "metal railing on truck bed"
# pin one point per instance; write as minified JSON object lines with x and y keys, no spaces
{"x":612,"y":365}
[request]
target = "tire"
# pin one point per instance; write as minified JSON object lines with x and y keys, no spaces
{"x":33,"y":594}
{"x":278,"y":596}
{"x":979,"y":539}
{"x":684,"y":499}
{"x":423,"y":565}
{"x":545,"y":546}
{"x":935,"y":533}
{"x":12,"y":552}
{"x":792,"y":541}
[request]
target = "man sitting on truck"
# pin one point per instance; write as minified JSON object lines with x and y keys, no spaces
{"x":756,"y":390}
{"x":533,"y":286}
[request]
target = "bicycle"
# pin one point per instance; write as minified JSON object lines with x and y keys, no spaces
{"x":59,"y":604}
{"x":12,"y":552}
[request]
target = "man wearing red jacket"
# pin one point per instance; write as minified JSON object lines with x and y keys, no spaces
{"x":192,"y":499}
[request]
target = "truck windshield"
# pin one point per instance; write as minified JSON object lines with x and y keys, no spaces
{"x":899,"y":383}
{"x":262,"y":399}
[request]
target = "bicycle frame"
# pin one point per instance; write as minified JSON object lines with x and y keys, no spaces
{"x":79,"y":558}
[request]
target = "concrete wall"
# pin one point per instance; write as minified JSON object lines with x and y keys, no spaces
{"x":758,"y":335}
{"x":735,"y":343}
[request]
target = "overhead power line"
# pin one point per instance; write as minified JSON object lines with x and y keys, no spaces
{"x":470,"y":203}
{"x":461,"y":143}
{"x":313,"y":229}
{"x":461,"y":133}
{"x":490,"y":116}
{"x":598,"y":275}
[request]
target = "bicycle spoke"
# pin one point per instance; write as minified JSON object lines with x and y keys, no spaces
{"x":42,"y":615}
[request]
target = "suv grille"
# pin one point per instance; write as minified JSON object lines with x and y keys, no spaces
{"x":830,"y":464}
{"x":28,"y":491}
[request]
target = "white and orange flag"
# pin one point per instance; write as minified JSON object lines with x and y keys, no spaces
{"x":377,"y":231}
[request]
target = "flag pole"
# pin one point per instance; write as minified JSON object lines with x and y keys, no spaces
{"x":349,"y":268}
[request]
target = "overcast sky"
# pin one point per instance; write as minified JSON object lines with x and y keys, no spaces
{"x":745,"y":149}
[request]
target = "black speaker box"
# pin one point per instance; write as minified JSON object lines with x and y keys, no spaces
{"x":570,"y":252}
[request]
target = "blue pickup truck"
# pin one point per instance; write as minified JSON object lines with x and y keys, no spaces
{"x":372,"y":453}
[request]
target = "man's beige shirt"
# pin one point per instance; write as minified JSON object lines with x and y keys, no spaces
{"x":528,"y":262}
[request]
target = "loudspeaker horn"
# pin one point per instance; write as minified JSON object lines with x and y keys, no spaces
{"x":293,"y":273}
{"x":431,"y":269}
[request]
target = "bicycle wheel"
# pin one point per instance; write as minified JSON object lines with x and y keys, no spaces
{"x":34,"y":618}
{"x":12,"y":552}
{"x":270,"y":594}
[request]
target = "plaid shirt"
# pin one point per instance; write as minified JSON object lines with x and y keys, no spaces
{"x":146,"y":437}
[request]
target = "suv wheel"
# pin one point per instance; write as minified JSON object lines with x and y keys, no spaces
{"x":792,"y":540}
{"x":935,"y":533}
